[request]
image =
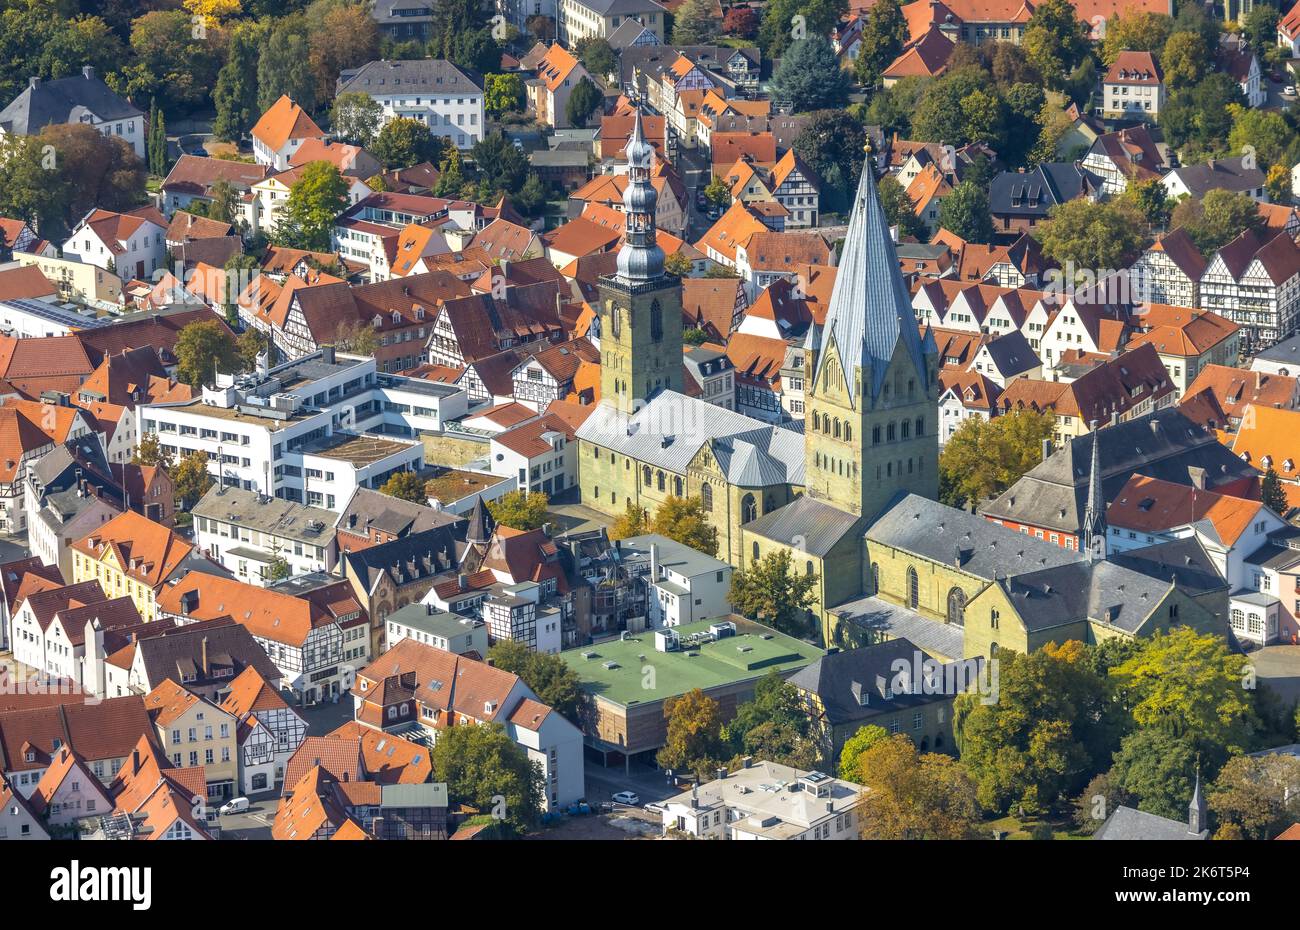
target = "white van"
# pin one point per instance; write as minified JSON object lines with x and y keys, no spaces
{"x":234,"y":806}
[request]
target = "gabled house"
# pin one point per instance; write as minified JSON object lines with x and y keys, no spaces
{"x":1237,"y":174}
{"x":81,"y":99}
{"x":194,"y":731}
{"x":1133,"y":88}
{"x":313,"y":647}
{"x":1020,"y":200}
{"x":269,"y":731}
{"x":418,"y":685}
{"x":556,"y":75}
{"x":280,"y":131}
{"x":68,"y":792}
{"x":129,"y":244}
{"x":1128,"y":154}
{"x":1169,"y":271}
{"x":1256,"y":284}
{"x":1237,"y":59}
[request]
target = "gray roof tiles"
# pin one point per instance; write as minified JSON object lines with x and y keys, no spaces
{"x":65,"y":100}
{"x":815,"y":525}
{"x":870,"y":310}
{"x":964,"y":540}
{"x":671,"y":428}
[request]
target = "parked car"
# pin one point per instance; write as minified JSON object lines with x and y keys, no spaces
{"x":627,"y":797}
{"x":234,"y":806}
{"x":1289,"y":90}
{"x":654,"y":807}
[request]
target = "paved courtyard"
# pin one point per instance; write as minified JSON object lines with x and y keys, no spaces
{"x":1278,"y":667}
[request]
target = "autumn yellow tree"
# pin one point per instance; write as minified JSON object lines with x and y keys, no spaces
{"x":213,"y":12}
{"x":912,"y":796}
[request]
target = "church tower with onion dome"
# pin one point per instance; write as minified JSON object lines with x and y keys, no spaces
{"x":640,"y":304}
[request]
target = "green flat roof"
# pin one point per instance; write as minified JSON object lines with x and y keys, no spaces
{"x":750,"y":654}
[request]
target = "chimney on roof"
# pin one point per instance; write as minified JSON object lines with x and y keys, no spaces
{"x":135,"y":761}
{"x":88,"y":72}
{"x":203,"y":656}
{"x":33,"y":81}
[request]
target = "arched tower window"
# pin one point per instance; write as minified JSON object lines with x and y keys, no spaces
{"x":913,"y":588}
{"x":656,"y":321}
{"x":957,"y":607}
{"x":748,"y":509}
{"x":706,"y":496}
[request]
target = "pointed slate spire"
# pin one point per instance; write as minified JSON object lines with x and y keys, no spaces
{"x":1094,"y":515}
{"x":870,"y":309}
{"x":1196,"y":811}
{"x":481,"y":524}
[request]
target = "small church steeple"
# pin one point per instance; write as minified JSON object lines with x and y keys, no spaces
{"x":1094,"y":515}
{"x":1197,"y":816}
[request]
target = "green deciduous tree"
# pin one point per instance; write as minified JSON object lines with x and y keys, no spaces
{"x":1055,"y":40}
{"x":284,"y":66}
{"x":883,"y":37}
{"x":831,"y":144}
{"x":774,"y":592}
{"x":355,"y":118}
{"x":597,"y":56}
{"x":503,"y":93}
{"x":583,"y":101}
{"x":1136,"y":32}
{"x":318,"y":196}
{"x":695,"y":24}
{"x":235,"y":95}
{"x":169,"y":61}
{"x":519,"y":510}
{"x":810,"y":77}
{"x":1190,"y":686}
{"x":1184,"y":60}
{"x":985,"y":457}
{"x":773,"y":726}
{"x":780,"y":28}
{"x":853,"y":748}
{"x":191,"y":478}
{"x":483,"y":767}
{"x":685,"y":520}
{"x":407,"y":486}
{"x":1157,"y":769}
{"x":1094,"y":237}
{"x":1216,"y":219}
{"x":404,"y":142}
{"x":966,"y":212}
{"x":1053,"y":724}
{"x":202,"y":349}
{"x":552,"y":680}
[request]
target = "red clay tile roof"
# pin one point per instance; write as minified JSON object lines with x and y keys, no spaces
{"x":285,"y":120}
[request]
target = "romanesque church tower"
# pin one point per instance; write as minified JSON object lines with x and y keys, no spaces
{"x":871,"y":425}
{"x":640,"y":305}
